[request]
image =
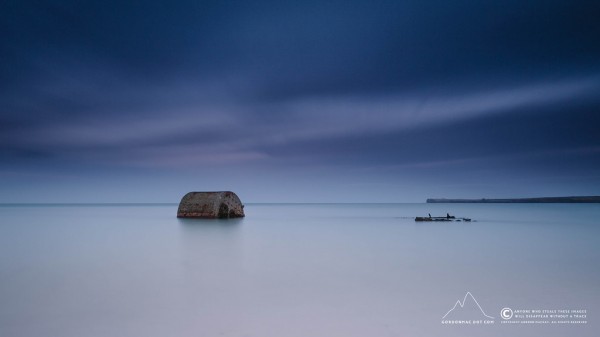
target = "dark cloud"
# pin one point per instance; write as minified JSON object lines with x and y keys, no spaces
{"x":270,"y":84}
{"x":329,"y":46}
{"x":521,"y":131}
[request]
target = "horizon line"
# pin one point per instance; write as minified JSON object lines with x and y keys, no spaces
{"x":177,"y":203}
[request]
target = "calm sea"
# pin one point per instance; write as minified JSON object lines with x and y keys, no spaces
{"x":300,"y":270}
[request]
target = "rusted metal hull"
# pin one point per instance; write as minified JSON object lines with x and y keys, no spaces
{"x":210,"y":205}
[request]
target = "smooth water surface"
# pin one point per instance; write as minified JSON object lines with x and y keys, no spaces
{"x":293,"y":269}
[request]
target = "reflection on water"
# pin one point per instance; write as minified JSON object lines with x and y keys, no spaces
{"x":192,"y":223}
{"x":292,"y":270}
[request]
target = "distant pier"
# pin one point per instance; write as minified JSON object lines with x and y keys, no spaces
{"x":545,"y":200}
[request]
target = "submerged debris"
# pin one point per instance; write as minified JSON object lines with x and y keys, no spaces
{"x":448,"y":217}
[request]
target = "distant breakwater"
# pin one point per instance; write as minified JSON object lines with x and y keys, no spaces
{"x":572,"y":200}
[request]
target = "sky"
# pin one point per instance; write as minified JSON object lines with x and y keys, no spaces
{"x":303,"y":101}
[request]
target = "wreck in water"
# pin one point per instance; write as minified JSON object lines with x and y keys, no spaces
{"x":210,"y":205}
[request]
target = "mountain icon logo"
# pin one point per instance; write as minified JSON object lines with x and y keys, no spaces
{"x":468,"y":305}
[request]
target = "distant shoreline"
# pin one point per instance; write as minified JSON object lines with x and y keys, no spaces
{"x":544,"y":200}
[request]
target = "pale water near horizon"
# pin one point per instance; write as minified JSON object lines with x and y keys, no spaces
{"x":297,"y":270}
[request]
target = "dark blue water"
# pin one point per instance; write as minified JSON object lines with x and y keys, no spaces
{"x":294,"y":270}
